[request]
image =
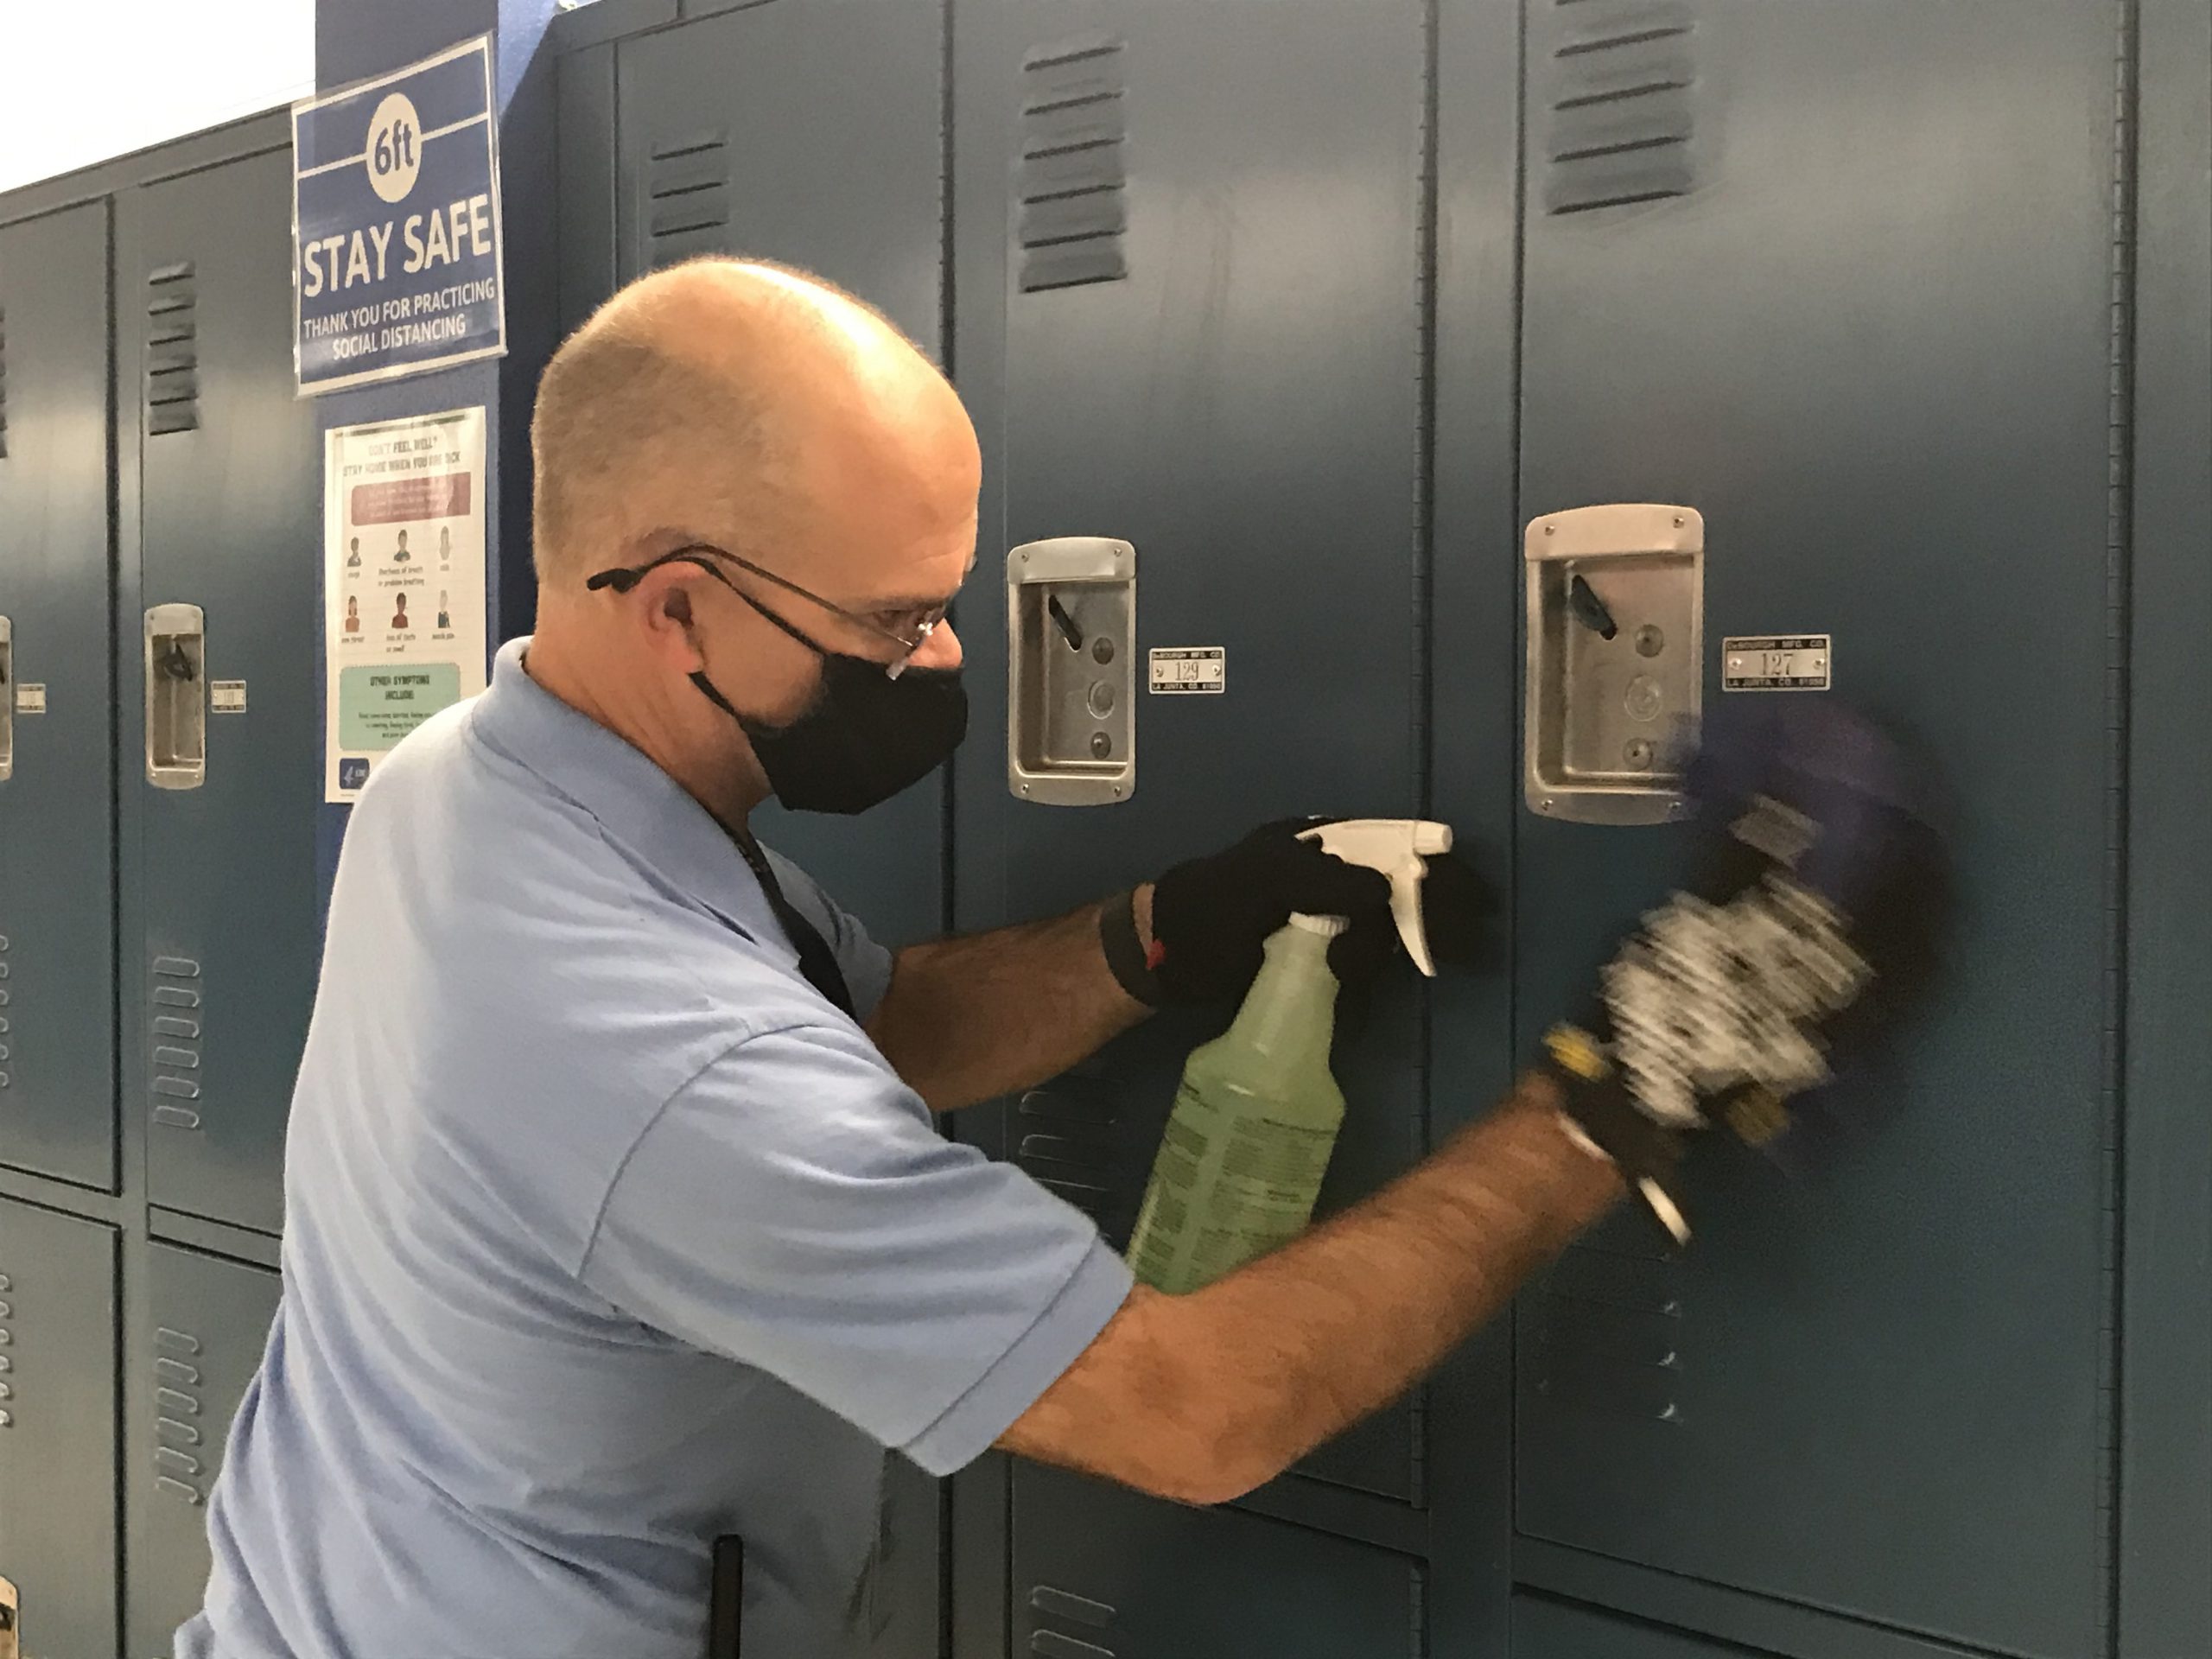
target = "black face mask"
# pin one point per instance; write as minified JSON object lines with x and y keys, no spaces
{"x":864,"y":737}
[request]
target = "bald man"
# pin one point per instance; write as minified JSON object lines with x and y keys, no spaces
{"x":617,"y":1222}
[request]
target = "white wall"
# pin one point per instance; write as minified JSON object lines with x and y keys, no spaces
{"x":81,"y":80}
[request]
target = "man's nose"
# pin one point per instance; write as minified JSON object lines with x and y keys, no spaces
{"x":941,"y":649}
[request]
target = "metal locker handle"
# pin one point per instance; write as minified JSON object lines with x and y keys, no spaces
{"x":1071,"y":623}
{"x":12,"y":1609}
{"x":176,"y":697}
{"x":1616,"y":669}
{"x":7,"y":699}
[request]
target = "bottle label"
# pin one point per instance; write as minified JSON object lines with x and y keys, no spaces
{"x":1227,"y":1188}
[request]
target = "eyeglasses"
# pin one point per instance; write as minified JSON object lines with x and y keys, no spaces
{"x":909,"y":630}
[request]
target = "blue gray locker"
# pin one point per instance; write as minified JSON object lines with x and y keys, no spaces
{"x":807,"y":133}
{"x":219,"y":534}
{"x":58,"y":1539}
{"x":189,"y":1368}
{"x":1878,"y":356}
{"x":57,"y":836}
{"x":1196,"y":361}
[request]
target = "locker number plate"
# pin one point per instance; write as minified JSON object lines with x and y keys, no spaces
{"x":1186,"y":669}
{"x":1795,"y":662}
{"x":30,"y":699}
{"x":226,"y":696}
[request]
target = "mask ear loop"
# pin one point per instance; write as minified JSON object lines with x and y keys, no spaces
{"x":622,"y":580}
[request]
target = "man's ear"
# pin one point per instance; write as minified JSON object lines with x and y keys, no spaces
{"x":664,"y":600}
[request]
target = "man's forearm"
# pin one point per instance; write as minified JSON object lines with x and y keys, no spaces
{"x":1204,"y":1396}
{"x":969,"y":1019}
{"x":1342,"y":1321}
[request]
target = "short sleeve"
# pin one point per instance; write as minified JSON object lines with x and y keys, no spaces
{"x":794,"y":1209}
{"x":865,"y":965}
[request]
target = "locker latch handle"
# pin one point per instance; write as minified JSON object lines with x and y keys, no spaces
{"x":1069,"y":630}
{"x":176,"y":699}
{"x":1615,"y":680}
{"x":1590,"y":610}
{"x":1072,"y":612}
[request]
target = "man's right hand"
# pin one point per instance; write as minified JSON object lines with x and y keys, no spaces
{"x":1810,"y":918}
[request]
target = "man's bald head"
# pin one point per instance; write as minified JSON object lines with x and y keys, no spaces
{"x":748,"y":409}
{"x":716,"y":400}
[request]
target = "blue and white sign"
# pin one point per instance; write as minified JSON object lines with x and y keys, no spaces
{"x":396,"y":223}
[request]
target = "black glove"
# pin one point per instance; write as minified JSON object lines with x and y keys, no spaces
{"x":1810,"y":919}
{"x":1211,"y":917}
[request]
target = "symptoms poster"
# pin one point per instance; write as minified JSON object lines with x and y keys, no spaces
{"x":405,"y":631}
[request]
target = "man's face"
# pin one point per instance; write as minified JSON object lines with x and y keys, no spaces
{"x":883,"y":527}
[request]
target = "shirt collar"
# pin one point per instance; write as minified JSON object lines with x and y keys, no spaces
{"x":641,"y":809}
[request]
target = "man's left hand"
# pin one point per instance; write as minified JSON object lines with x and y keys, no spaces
{"x":1211,"y":916}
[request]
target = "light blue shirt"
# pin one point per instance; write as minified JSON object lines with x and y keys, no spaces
{"x":607,"y":1234}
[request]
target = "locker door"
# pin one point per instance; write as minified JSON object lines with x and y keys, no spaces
{"x":1212,"y":350}
{"x":1848,"y":292}
{"x":223,"y":952}
{"x":57,"y":1429}
{"x":57,"y":978}
{"x":189,"y":1370}
{"x":1098,"y":1570}
{"x":807,"y":132}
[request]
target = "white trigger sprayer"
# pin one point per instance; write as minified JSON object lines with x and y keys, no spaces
{"x":1398,"y":848}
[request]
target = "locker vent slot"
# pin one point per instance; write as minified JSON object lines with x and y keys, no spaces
{"x":172,"y":351}
{"x":175,"y":1074}
{"x":1076,"y":1149}
{"x":178,"y":1456}
{"x":7,"y":1362}
{"x":1608,"y":1329}
{"x":1072,"y":210}
{"x":3,"y":384}
{"x":1618,"y":108}
{"x":1094,"y":1623}
{"x":5,"y":1033}
{"x":686,"y":210}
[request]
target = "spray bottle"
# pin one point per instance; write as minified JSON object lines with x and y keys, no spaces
{"x":1256,"y":1117}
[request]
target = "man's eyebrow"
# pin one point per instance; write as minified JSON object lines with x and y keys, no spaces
{"x":912,"y":602}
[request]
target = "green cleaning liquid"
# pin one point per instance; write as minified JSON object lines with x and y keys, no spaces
{"x":1255,"y":1122}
